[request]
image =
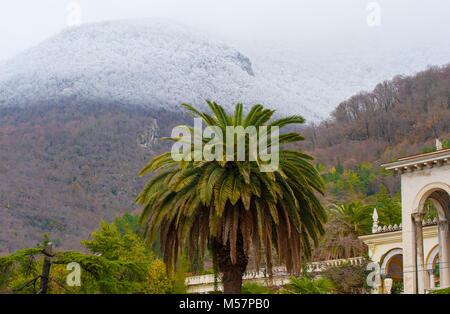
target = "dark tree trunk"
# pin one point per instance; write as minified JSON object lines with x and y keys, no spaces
{"x":232,"y":273}
{"x":48,"y":252}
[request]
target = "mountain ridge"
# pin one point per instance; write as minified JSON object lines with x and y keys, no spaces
{"x":144,"y":63}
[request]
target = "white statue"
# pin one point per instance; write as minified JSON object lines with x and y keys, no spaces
{"x":438,"y":144}
{"x":375,"y":221}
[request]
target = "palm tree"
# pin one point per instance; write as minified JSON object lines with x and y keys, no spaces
{"x":309,"y":285}
{"x":355,"y":214}
{"x":232,"y":206}
{"x":339,"y":242}
{"x":347,"y":222}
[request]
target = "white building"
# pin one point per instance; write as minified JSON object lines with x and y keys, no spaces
{"x":417,"y":252}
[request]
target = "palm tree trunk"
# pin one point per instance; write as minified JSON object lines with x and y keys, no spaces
{"x":231,"y":273}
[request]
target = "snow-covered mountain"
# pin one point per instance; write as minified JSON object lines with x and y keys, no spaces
{"x":321,"y":79}
{"x":159,"y":63}
{"x":152,"y":63}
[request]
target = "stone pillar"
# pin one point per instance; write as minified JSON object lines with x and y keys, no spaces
{"x":432,"y":283}
{"x":444,"y":253}
{"x":427,"y":283}
{"x":420,"y":259}
{"x":409,"y":251}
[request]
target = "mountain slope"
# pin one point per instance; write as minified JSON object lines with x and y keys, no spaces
{"x":144,"y":63}
{"x":80,"y":115}
{"x":397,"y":118}
{"x":62,"y":168}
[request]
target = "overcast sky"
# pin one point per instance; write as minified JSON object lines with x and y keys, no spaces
{"x":24,"y":23}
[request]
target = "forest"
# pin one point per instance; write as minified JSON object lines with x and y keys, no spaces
{"x":399,"y":117}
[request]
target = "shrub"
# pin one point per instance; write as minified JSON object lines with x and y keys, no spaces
{"x":157,"y":281}
{"x":309,"y":285}
{"x":441,"y":291}
{"x":255,"y":288}
{"x":348,"y":279}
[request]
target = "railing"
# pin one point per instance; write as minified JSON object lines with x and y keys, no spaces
{"x":379,"y":229}
{"x":278,"y":271}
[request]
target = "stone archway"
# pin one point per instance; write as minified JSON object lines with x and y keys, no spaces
{"x":432,"y":266}
{"x":392,"y":265}
{"x":439,"y":194}
{"x":424,"y":177}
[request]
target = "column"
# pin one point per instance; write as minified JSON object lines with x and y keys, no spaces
{"x":431,"y":273}
{"x":420,"y":259}
{"x":444,"y":253}
{"x":409,"y":252}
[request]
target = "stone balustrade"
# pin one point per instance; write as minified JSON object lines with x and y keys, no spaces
{"x":396,"y":227}
{"x":205,"y":283}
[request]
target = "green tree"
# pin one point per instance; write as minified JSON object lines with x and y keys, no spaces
{"x":111,"y":244}
{"x":121,"y":265}
{"x":129,"y":247}
{"x":128,"y":221}
{"x":232,"y":206}
{"x":389,"y":208}
{"x":356,"y":214}
{"x":339,"y":168}
{"x":157,"y":281}
{"x":309,"y":285}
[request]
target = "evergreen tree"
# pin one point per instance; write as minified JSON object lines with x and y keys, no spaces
{"x":231,"y":206}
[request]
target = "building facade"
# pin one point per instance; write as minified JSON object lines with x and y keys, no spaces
{"x":417,"y":252}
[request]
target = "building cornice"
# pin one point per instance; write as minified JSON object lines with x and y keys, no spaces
{"x":420,"y":161}
{"x":386,"y":237}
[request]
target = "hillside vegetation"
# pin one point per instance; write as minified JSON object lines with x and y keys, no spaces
{"x":64,"y":167}
{"x":400,"y":117}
